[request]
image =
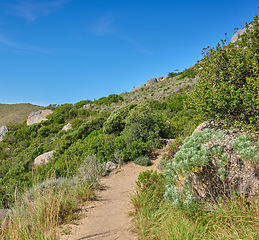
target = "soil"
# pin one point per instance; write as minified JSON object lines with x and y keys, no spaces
{"x":108,"y":217}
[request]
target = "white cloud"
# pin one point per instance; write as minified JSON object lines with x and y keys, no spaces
{"x":105,"y":25}
{"x":32,"y":9}
{"x":136,"y":45}
{"x":21,"y":47}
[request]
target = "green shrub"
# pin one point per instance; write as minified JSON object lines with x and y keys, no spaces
{"x":82,"y":103}
{"x":229,"y":81}
{"x":143,"y":122}
{"x":173,"y":74}
{"x":142,"y":161}
{"x":189,"y":73}
{"x":193,"y":154}
{"x":116,"y":122}
{"x":112,"y":98}
{"x":247,"y":149}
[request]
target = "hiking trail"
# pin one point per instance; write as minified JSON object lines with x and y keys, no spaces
{"x":108,"y":217}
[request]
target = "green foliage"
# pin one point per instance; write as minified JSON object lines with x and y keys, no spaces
{"x":174,"y":74}
{"x":175,"y":102}
{"x":112,"y":98}
{"x":247,"y":149}
{"x":229,"y":81}
{"x":142,"y":161}
{"x":192,"y":155}
{"x":189,"y":73}
{"x":85,"y":129}
{"x":151,"y":179}
{"x":82,"y":103}
{"x":146,"y":124}
{"x":116,"y":122}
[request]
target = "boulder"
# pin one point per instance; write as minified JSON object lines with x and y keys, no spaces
{"x":37,"y":117}
{"x":3,"y":131}
{"x":43,"y":158}
{"x":241,"y":176}
{"x":138,"y":87}
{"x":236,"y":35}
{"x":88,"y":106}
{"x":151,"y":81}
{"x":240,"y":32}
{"x":67,"y":127}
{"x":111,"y":166}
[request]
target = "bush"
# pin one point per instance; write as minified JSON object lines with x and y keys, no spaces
{"x":142,"y":161}
{"x":112,"y":98}
{"x":229,"y":81}
{"x":116,"y":122}
{"x":143,"y":122}
{"x":193,"y":154}
{"x":189,"y":73}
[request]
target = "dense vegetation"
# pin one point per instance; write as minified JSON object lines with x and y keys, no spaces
{"x":227,"y":91}
{"x":125,"y":134}
{"x":229,"y":81}
{"x":129,"y":127}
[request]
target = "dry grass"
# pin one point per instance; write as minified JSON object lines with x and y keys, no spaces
{"x":16,"y":112}
{"x":38,"y":212}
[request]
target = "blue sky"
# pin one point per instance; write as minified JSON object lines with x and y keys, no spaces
{"x":64,"y":51}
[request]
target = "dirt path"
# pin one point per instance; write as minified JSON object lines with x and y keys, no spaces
{"x":108,"y":217}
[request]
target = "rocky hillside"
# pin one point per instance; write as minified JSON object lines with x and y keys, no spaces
{"x":16,"y":112}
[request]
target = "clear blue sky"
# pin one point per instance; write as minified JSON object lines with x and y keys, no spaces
{"x":64,"y":51}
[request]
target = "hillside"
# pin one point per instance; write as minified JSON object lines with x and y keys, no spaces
{"x":209,"y":117}
{"x":16,"y":112}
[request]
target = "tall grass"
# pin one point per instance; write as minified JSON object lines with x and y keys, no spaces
{"x":37,"y":212}
{"x":155,"y":218}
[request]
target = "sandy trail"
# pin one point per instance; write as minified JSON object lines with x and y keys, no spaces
{"x":108,"y":217}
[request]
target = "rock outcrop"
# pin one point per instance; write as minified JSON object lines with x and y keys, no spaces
{"x":241,"y":176}
{"x":88,"y":106}
{"x":151,"y":81}
{"x":43,"y":158}
{"x":67,"y":127}
{"x":159,"y":79}
{"x":37,"y":117}
{"x":3,"y":131}
{"x":138,"y":87}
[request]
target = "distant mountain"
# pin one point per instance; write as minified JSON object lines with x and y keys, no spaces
{"x":16,"y":112}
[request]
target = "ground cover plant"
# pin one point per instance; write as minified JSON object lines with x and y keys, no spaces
{"x":227,"y":92}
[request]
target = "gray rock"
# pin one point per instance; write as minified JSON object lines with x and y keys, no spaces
{"x":37,"y":117}
{"x":236,"y":35}
{"x":88,"y":106}
{"x":138,"y":87}
{"x":241,"y":176}
{"x":3,"y":131}
{"x":240,"y":32}
{"x":111,"y":166}
{"x":67,"y":127}
{"x":151,"y":81}
{"x":43,"y":158}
